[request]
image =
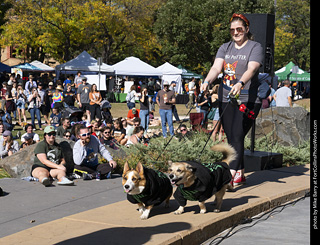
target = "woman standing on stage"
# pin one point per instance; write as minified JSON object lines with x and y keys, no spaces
{"x":240,"y":60}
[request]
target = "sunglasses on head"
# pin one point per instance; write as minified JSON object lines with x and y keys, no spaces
{"x":238,"y":29}
{"x":51,"y":134}
{"x":84,"y":135}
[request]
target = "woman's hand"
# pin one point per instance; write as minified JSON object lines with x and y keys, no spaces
{"x":236,"y":89}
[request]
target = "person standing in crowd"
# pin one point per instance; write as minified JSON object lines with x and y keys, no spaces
{"x":131,"y":97}
{"x":57,"y":98}
{"x":191,"y":88}
{"x":165,"y":100}
{"x":34,"y":107}
{"x":69,"y":96}
{"x":174,"y":108}
{"x":77,"y":80}
{"x":204,"y":103}
{"x":283,"y":95}
{"x":45,"y":106}
{"x":144,"y":108}
{"x":30,"y":84}
{"x":48,"y":161}
{"x":240,"y":60}
{"x":95,"y":100}
{"x":21,"y":103}
{"x":85,"y":156}
{"x":83,"y":97}
{"x":3,"y":93}
{"x":10,"y":105}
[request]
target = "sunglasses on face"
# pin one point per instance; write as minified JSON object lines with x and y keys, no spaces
{"x":51,"y":134}
{"x":84,"y":135}
{"x":182,"y":130}
{"x":68,"y":136}
{"x":238,"y":29}
{"x":107,"y":132}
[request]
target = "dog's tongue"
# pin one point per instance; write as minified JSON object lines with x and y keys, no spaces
{"x":126,"y":190}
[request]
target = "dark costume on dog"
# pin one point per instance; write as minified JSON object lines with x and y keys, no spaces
{"x":211,"y":177}
{"x":157,"y":189}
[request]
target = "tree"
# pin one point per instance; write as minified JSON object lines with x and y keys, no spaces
{"x":292,"y":33}
{"x":191,"y":31}
{"x":64,"y":28}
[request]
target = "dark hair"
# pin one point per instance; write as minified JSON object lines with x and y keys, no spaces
{"x":137,"y":119}
{"x":183,"y":126}
{"x":79,"y":129}
{"x":138,"y":129}
{"x":250,"y":35}
{"x":27,"y":126}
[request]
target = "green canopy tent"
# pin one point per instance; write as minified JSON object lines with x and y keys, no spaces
{"x":293,"y":73}
{"x":187,"y":74}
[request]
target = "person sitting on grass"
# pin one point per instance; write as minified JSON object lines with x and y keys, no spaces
{"x":29,"y":131}
{"x":55,"y":118}
{"x":136,"y":137}
{"x":85,"y":156}
{"x":107,"y":138}
{"x":119,"y":133}
{"x":49,"y":161}
{"x":28,"y":140}
{"x":8,"y":146}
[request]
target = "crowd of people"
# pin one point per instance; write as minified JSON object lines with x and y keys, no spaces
{"x":239,"y":60}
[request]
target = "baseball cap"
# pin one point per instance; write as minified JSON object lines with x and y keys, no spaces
{"x":134,"y":110}
{"x":7,"y":133}
{"x":49,"y":129}
{"x":166,"y":83}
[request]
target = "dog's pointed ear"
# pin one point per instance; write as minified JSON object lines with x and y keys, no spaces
{"x":190,"y":168}
{"x":126,"y":167}
{"x":139,"y":168}
{"x":170,"y":163}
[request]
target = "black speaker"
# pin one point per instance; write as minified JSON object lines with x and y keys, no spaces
{"x":262,"y":28}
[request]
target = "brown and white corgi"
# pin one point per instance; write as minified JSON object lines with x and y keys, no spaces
{"x":198,"y":182}
{"x":146,"y":187}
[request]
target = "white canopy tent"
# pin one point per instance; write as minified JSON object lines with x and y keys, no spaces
{"x":84,"y":62}
{"x":170,"y":74}
{"x":42,"y":66}
{"x":132,"y":66}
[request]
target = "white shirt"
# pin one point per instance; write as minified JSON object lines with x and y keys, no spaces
{"x":191,"y":86}
{"x":282,"y":95}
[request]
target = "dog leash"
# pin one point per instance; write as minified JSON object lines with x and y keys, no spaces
{"x":166,"y":145}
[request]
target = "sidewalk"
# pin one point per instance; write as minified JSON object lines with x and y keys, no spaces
{"x":119,"y":222}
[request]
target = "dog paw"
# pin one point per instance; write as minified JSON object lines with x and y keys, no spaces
{"x":203,"y":211}
{"x":141,"y":210}
{"x":177,"y":212}
{"x":216,"y":210}
{"x":144,"y":216}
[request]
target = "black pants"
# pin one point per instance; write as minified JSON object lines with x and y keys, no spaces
{"x":95,"y":111}
{"x":103,"y":168}
{"x":236,"y":125}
